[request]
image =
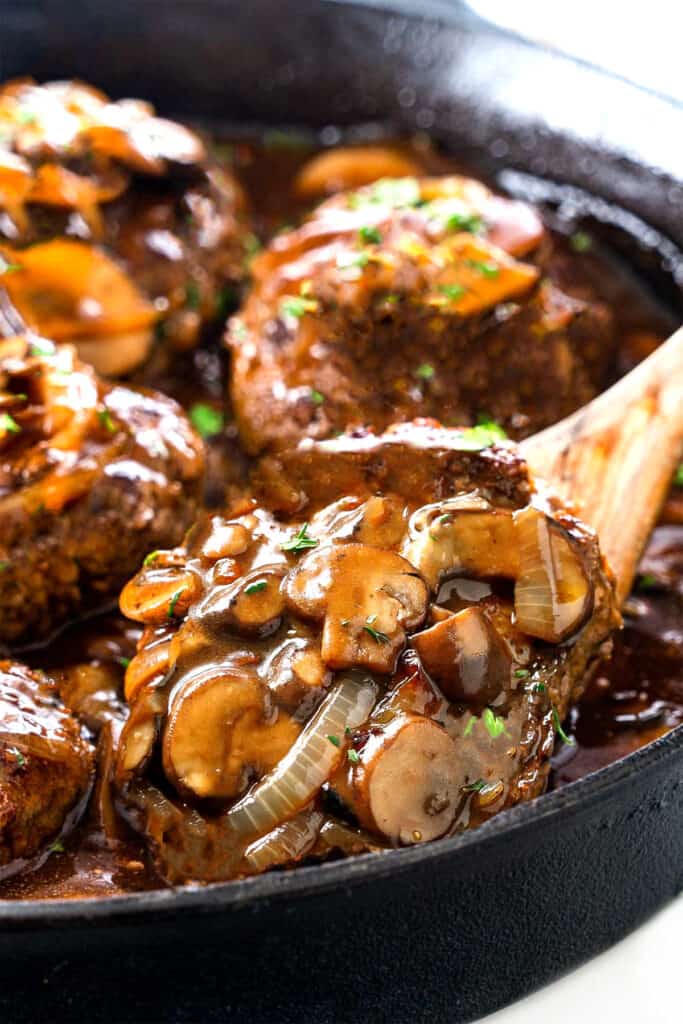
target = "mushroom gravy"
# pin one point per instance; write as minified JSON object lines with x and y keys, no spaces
{"x":632,"y":699}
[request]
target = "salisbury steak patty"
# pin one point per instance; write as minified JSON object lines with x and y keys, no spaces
{"x":45,"y":765}
{"x":117,"y":224}
{"x":92,"y":477}
{"x":410,"y":298}
{"x":400,"y":659}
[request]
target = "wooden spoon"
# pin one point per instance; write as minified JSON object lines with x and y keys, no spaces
{"x":614,"y":458}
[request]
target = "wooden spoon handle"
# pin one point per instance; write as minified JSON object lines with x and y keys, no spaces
{"x":614,"y":458}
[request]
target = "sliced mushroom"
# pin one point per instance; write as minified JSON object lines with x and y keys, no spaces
{"x":553,"y":595}
{"x":465,"y":655}
{"x":225,"y":540}
{"x":159,"y":595}
{"x":379,"y":521}
{"x":465,"y":534}
{"x":349,"y":167}
{"x":220,"y":731}
{"x":251,"y":606}
{"x":406,"y":782}
{"x":139,"y":734}
{"x":366,"y":598}
{"x":296,"y":674}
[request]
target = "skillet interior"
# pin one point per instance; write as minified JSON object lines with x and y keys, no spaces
{"x":483,"y":917}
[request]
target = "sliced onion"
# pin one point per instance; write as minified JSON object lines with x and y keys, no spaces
{"x":286,"y":843}
{"x":310,"y":761}
{"x":553,"y":596}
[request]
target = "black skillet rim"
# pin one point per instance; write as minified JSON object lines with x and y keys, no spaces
{"x":572,"y":798}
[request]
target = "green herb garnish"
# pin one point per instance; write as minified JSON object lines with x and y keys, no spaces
{"x":300,"y":541}
{"x":678,"y":478}
{"x":256,"y":588}
{"x":580,"y":241}
{"x":569,"y":740}
{"x":4,"y":566}
{"x":647,"y":582}
{"x":352,"y":261}
{"x":41,"y":347}
{"x":475,"y":787}
{"x":352,"y":756}
{"x":297,"y":305}
{"x":193,"y":298}
{"x":539,"y":687}
{"x":470,"y":725}
{"x":17,"y":755}
{"x":9,"y":268}
{"x":123,"y":662}
{"x":369,"y":236}
{"x":207,"y":421}
{"x":226,"y":299}
{"x":376,"y":634}
{"x":453,"y":292}
{"x":483,"y":435}
{"x":521,"y":673}
{"x":104,"y":417}
{"x":470,"y":222}
{"x":494,"y":724}
{"x":9,"y":424}
{"x":56,"y":847}
{"x":487,"y":269}
{"x":425,"y":371}
{"x":335,"y":741}
{"x":173,"y":602}
{"x":151,"y":558}
{"x":317,"y":397}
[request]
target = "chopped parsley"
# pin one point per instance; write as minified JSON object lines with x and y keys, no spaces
{"x":317,"y":397}
{"x":453,"y":292}
{"x":353,"y":757}
{"x":483,"y":435}
{"x":494,"y":724}
{"x":470,"y":725}
{"x":335,"y":741}
{"x":425,"y":371}
{"x":475,"y":787}
{"x":297,"y":305}
{"x":207,"y":421}
{"x":9,"y":268}
{"x":580,"y":241}
{"x":56,"y":847}
{"x":484,"y":267}
{"x":300,"y":541}
{"x":376,"y":634}
{"x":521,"y":673}
{"x":470,"y":222}
{"x":369,"y":236}
{"x":193,"y":297}
{"x":392,"y":192}
{"x":123,"y":662}
{"x":104,"y":416}
{"x":647,"y":582}
{"x":569,"y":740}
{"x":151,"y":558}
{"x":173,"y":602}
{"x":678,"y":478}
{"x":17,"y":755}
{"x":9,"y":424}
{"x":41,"y":347}
{"x":256,"y":588}
{"x":539,"y":687}
{"x":352,"y":261}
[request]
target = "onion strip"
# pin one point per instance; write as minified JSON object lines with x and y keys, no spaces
{"x":290,"y":841}
{"x":308,"y":764}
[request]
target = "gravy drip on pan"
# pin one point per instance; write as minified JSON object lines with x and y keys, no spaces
{"x":632,"y":699}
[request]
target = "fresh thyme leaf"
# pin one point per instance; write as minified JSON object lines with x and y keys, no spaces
{"x":151,"y":558}
{"x":41,"y":347}
{"x":678,"y":478}
{"x":569,"y":740}
{"x":335,"y":741}
{"x":483,"y":435}
{"x":470,"y":222}
{"x":539,"y":687}
{"x":9,"y":424}
{"x":56,"y":847}
{"x":317,"y":397}
{"x":425,"y":371}
{"x":17,"y":755}
{"x":256,"y":588}
{"x":484,"y":267}
{"x":580,"y":241}
{"x":470,"y":725}
{"x":475,"y":787}
{"x":123,"y":662}
{"x":207,"y":421}
{"x":300,"y":541}
{"x":521,"y":673}
{"x":647,"y":582}
{"x":173,"y":602}
{"x":376,"y":634}
{"x":494,"y":724}
{"x":369,"y":236}
{"x":453,"y":292}
{"x":297,"y":305}
{"x":104,"y":416}
{"x":352,"y":756}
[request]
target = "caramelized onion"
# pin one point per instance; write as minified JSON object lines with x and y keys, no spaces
{"x":287,"y":843}
{"x":310,"y":761}
{"x":553,"y":596}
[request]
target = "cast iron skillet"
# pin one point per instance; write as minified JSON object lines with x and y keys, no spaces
{"x":445,"y":932}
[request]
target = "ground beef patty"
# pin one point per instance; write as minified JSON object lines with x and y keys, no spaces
{"x":45,"y":765}
{"x":117,"y":225}
{"x":409,"y":298}
{"x":92,"y":477}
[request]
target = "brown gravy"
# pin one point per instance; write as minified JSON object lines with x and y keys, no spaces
{"x":633,"y":699}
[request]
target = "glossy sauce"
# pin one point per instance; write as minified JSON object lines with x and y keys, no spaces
{"x":634,"y":698}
